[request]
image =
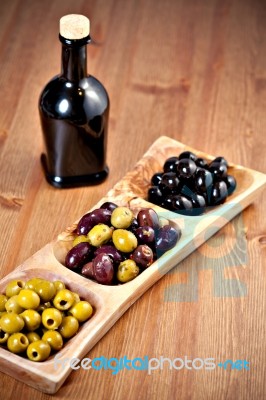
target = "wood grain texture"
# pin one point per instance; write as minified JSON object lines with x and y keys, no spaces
{"x":194,"y":71}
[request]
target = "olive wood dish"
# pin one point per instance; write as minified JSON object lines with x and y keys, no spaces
{"x":110,"y":302}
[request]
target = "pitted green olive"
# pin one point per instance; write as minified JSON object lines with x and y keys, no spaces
{"x":33,"y":336}
{"x":14,"y":287}
{"x":64,"y":299}
{"x":3,"y":337}
{"x":51,"y":318}
{"x":17,"y":343}
{"x":38,"y":351}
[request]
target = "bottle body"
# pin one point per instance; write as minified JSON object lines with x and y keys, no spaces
{"x":74,"y":110}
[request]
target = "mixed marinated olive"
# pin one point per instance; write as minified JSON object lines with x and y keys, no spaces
{"x":189,"y":184}
{"x":37,"y":316}
{"x":112,"y":246}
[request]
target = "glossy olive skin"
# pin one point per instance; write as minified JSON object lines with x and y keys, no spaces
{"x":186,"y":168}
{"x":45,"y":290}
{"x":99,"y":235}
{"x":14,"y":287}
{"x":54,"y":339}
{"x":166,"y":238}
{"x":148,"y":216}
{"x":145,"y":235}
{"x":124,"y":240}
{"x":103,"y":269}
{"x":218,"y":194}
{"x":64,"y":299}
{"x":78,"y":255}
{"x":89,"y":220}
{"x":51,"y":318}
{"x":68,"y":327}
{"x":109,"y":205}
{"x":203,"y":180}
{"x":27,"y":298}
{"x":88,"y":271}
{"x":181,"y":204}
{"x":170,"y":164}
{"x":82,"y":311}
{"x":122,"y":217}
{"x":169,"y":183}
{"x":155,"y":195}
{"x":230,"y":183}
{"x":11,"y":323}
{"x":156,"y":178}
{"x":38,"y":350}
{"x":32,"y":319}
{"x":3,"y":300}
{"x":12,"y":305}
{"x":143,"y":256}
{"x":187,"y":155}
{"x":17,"y":343}
{"x":127,"y":271}
{"x":111,"y":251}
{"x":218,"y":169}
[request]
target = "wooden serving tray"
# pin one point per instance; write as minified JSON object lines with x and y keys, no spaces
{"x":110,"y":302}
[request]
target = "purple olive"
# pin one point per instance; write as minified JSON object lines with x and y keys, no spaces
{"x":78,"y":255}
{"x":145,"y":235}
{"x":88,"y":271}
{"x":147,"y":216}
{"x":110,"y":251}
{"x":103,"y":269}
{"x":166,"y":238}
{"x":108,"y":205}
{"x":143,"y":256}
{"x":89,"y":220}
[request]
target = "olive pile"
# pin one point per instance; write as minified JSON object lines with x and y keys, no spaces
{"x":38,"y":315}
{"x":112,"y":246}
{"x":188,"y":184}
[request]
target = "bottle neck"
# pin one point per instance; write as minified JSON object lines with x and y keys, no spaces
{"x":74,"y":62}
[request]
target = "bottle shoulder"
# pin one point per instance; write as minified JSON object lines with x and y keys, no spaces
{"x":61,"y":98}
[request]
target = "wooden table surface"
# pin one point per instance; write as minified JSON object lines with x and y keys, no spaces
{"x":191,"y":70}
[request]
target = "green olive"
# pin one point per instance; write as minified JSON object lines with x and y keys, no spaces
{"x":17,"y":343}
{"x":13,"y":306}
{"x":81,"y":310}
{"x":46,"y":290}
{"x":27,"y":298}
{"x":3,"y":336}
{"x":54,"y":339}
{"x":38,"y":351}
{"x":100,"y":234}
{"x":64,"y":299}
{"x":32,"y":319}
{"x":59,"y":285}
{"x":69,"y":327}
{"x":14,"y":287}
{"x":11,"y":323}
{"x":76,"y":298}
{"x":80,"y":239}
{"x":127,"y":270}
{"x":3,"y":300}
{"x":31,"y":283}
{"x":51,"y":318}
{"x":121,"y":217}
{"x":124,"y":240}
{"x":33,"y":336}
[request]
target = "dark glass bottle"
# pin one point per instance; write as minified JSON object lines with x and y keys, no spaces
{"x":74,"y":110}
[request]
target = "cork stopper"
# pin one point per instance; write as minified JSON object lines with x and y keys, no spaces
{"x":74,"y":26}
